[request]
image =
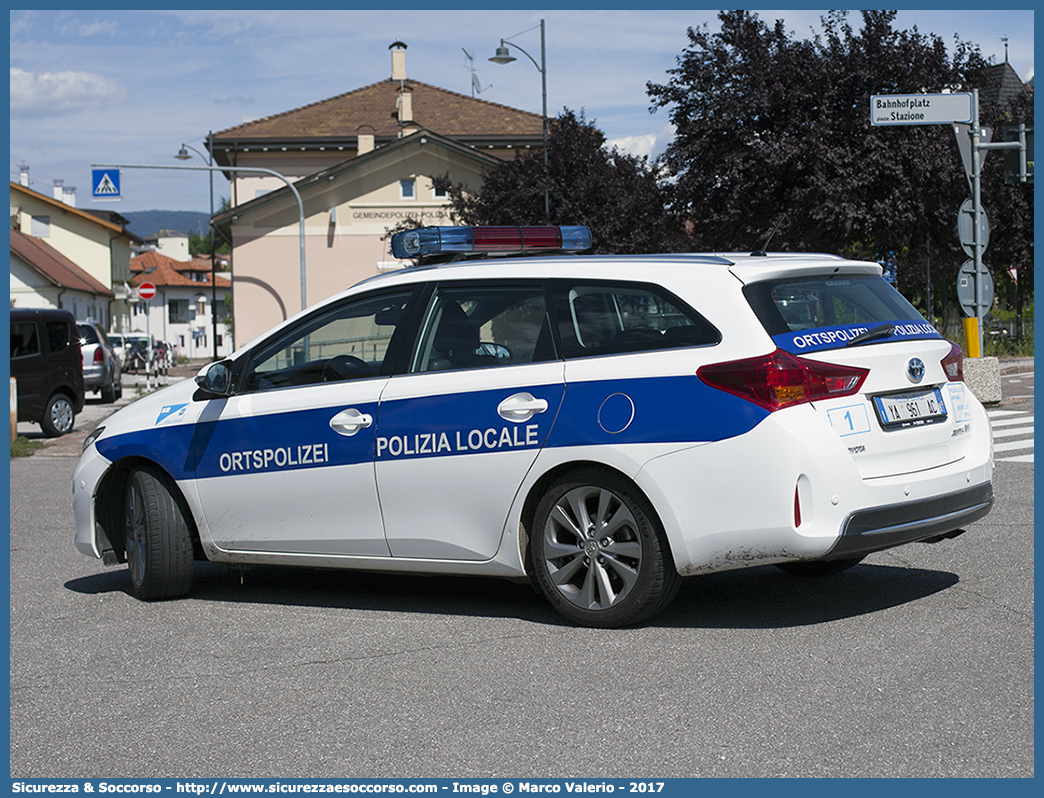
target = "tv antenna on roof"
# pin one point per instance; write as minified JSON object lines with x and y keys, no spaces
{"x":476,"y":85}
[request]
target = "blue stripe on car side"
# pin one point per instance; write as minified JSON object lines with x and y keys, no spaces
{"x":680,"y":409}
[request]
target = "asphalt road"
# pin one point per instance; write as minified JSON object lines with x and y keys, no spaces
{"x":916,"y":663}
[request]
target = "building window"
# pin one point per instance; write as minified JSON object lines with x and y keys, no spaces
{"x":178,"y":312}
{"x":439,"y":192}
{"x":408,"y":189}
{"x":41,"y":226}
{"x":201,"y":306}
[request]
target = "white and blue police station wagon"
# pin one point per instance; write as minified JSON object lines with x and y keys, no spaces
{"x":600,"y":425}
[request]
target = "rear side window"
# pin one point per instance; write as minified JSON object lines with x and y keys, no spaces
{"x":601,"y":318}
{"x":23,"y":339}
{"x":57,"y":335}
{"x":827,"y":312}
{"x":87,"y":334}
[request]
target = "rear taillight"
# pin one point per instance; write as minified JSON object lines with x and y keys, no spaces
{"x":780,"y":379}
{"x":98,"y":355}
{"x":953,"y":364}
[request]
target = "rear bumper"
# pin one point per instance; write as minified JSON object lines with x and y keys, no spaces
{"x":884,"y":527}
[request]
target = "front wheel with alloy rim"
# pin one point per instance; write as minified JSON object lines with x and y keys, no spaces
{"x":600,"y":555}
{"x":157,"y":537}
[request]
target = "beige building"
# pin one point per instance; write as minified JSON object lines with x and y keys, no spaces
{"x":362,"y":163}
{"x":94,"y":245}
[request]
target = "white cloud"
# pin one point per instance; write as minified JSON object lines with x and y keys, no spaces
{"x":38,"y":94}
{"x":649,"y":144}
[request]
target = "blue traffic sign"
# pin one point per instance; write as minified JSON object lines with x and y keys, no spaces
{"x":105,"y":184}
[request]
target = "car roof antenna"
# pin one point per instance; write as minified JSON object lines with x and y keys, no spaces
{"x":761,"y":253}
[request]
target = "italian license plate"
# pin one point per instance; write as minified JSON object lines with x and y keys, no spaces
{"x":910,"y":409}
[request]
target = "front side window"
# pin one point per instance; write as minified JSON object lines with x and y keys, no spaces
{"x":597,"y":318}
{"x":481,"y":326}
{"x":346,"y":342}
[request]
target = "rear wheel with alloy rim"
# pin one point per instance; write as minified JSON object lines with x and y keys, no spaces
{"x":58,"y":417}
{"x":599,"y":552}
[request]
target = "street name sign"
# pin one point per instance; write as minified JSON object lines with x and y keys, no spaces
{"x":920,"y":109}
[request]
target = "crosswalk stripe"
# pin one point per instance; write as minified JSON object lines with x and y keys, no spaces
{"x":1007,"y":433}
{"x":1022,"y":458}
{"x":1013,"y":446}
{"x":1011,"y":422}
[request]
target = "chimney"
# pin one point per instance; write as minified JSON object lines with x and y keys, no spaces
{"x":365,"y":143}
{"x":23,"y":174}
{"x":398,"y":60}
{"x":58,"y":190}
{"x":69,"y":196}
{"x":404,"y":107}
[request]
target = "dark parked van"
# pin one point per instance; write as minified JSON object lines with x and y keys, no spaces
{"x":46,"y":362}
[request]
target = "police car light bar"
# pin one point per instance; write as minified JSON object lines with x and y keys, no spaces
{"x":427,"y":241}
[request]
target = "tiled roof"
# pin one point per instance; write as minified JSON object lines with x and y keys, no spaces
{"x":54,"y":266}
{"x":1002,"y":85}
{"x":109,"y":223}
{"x":372,"y":109}
{"x":164,"y":271}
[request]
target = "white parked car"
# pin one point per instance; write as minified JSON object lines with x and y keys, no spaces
{"x":603,"y":425}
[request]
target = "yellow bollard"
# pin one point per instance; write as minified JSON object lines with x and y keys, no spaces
{"x":971,"y":336}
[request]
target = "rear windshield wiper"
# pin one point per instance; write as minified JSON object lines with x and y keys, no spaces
{"x":884,"y":331}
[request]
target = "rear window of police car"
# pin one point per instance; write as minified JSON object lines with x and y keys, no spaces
{"x":784,"y":306}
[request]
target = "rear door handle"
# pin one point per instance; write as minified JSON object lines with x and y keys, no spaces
{"x":350,"y":421}
{"x":521,"y":407}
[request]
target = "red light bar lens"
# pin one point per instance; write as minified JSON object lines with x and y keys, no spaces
{"x":541,"y":237}
{"x":497,"y":238}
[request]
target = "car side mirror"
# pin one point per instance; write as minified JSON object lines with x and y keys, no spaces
{"x":215,"y":379}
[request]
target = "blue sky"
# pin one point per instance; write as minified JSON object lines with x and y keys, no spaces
{"x":131,"y":86}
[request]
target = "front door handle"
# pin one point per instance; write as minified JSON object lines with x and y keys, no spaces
{"x":350,"y":421}
{"x":521,"y":407}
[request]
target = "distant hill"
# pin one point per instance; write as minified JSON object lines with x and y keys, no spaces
{"x":146,"y":224}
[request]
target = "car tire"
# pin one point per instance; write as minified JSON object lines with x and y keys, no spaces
{"x":814,"y":568}
{"x":600,"y":555}
{"x":108,"y":393}
{"x":59,"y":416}
{"x":157,"y":538}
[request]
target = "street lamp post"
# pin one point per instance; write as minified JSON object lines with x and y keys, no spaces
{"x":254,"y":169}
{"x":184,"y":156}
{"x":503,"y":56}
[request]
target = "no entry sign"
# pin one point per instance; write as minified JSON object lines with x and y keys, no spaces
{"x":146,"y":290}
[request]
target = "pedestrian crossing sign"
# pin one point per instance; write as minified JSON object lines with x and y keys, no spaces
{"x":105,"y":184}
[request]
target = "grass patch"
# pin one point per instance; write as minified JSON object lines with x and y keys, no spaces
{"x":23,"y":447}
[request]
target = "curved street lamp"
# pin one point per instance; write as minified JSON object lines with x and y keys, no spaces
{"x":503,"y":56}
{"x":184,"y":156}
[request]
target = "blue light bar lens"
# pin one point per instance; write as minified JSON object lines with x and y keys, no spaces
{"x":576,"y":239}
{"x":426,"y":241}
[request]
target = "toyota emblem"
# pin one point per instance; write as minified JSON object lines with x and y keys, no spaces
{"x":915,"y":369}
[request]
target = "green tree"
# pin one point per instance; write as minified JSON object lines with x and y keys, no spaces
{"x":199,"y":243}
{"x":619,"y":196}
{"x":769,"y":124}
